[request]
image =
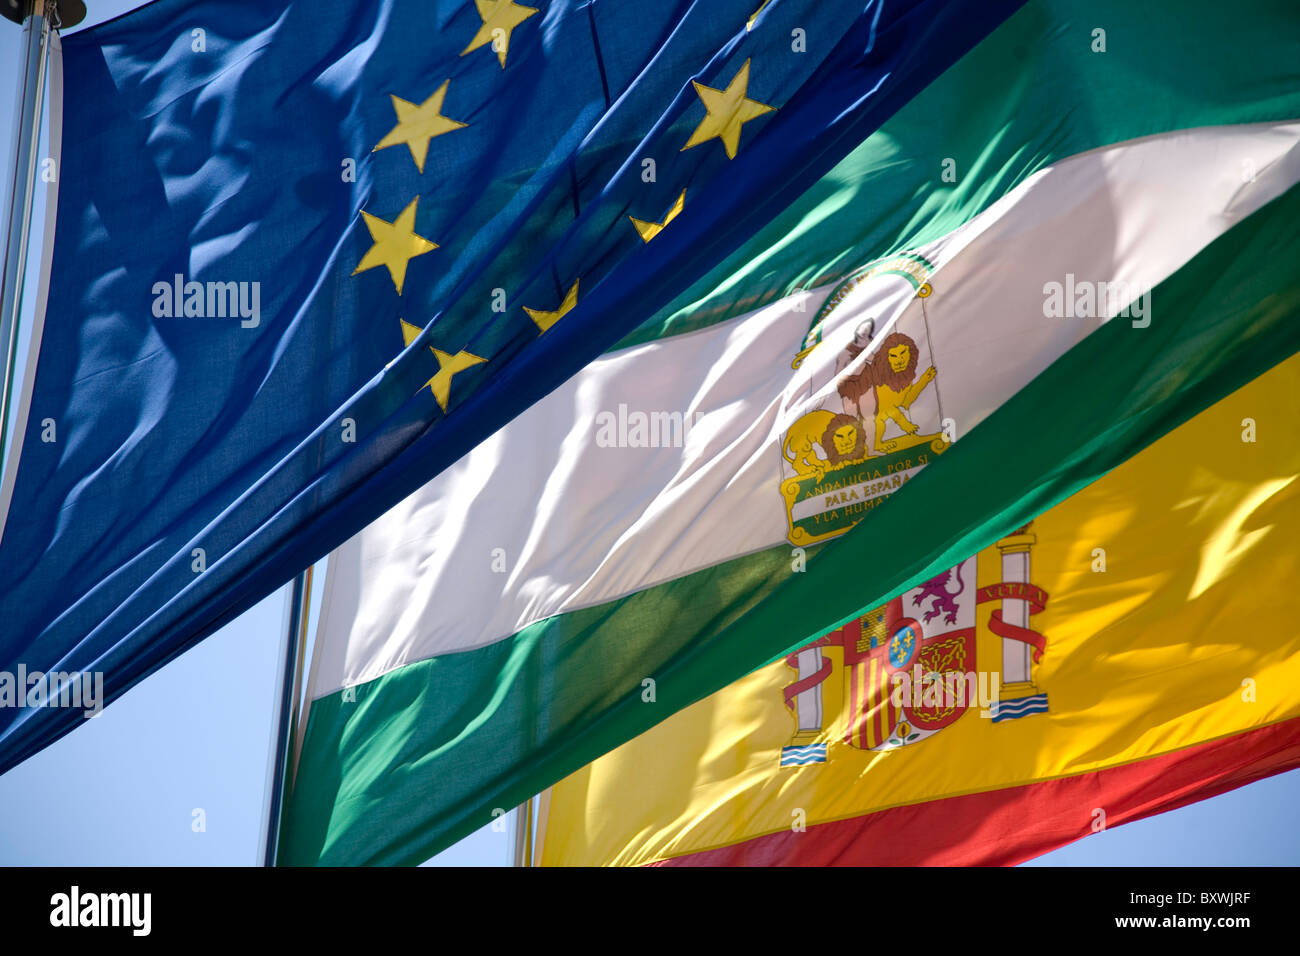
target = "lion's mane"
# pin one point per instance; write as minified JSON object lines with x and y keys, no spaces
{"x":828,"y":440}
{"x":882,"y":374}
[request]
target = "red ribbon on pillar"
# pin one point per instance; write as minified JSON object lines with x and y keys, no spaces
{"x":1033,"y":595}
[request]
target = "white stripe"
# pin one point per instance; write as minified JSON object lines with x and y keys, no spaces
{"x":579,"y":525}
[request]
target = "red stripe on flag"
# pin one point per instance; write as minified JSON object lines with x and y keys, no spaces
{"x":1004,"y":827}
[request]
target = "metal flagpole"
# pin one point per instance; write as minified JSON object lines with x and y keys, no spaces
{"x":38,"y":18}
{"x":524,"y":833}
{"x":18,"y":217}
{"x":288,"y":675}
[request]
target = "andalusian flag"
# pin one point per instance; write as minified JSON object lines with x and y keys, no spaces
{"x":1131,"y":650}
{"x":1068,"y":245}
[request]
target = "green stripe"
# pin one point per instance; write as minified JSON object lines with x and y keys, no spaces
{"x":1031,"y":94}
{"x":427,"y":752}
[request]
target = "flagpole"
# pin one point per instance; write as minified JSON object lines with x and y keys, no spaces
{"x":21,"y":189}
{"x":524,"y":833}
{"x":284,"y":716}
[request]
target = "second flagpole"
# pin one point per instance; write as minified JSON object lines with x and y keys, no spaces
{"x":284,"y":716}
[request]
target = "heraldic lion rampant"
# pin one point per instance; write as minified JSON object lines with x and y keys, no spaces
{"x":945,"y":602}
{"x":891,"y":376}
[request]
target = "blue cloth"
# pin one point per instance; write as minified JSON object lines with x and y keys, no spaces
{"x":216,"y":141}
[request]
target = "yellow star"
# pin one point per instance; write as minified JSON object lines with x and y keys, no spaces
{"x":648,"y":230}
{"x":500,"y":17}
{"x":448,"y":365}
{"x":409,"y":332}
{"x":417,"y":125}
{"x":545,"y":319}
{"x":396,"y":244}
{"x":750,"y":25}
{"x":728,"y":111}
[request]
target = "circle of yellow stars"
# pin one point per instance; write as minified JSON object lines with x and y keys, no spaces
{"x":396,"y":243}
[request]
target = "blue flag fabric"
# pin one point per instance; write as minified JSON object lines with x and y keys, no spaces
{"x":309,"y":254}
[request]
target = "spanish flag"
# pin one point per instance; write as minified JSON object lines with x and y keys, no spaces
{"x":1128,"y":651}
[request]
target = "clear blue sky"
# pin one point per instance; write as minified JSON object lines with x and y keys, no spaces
{"x":122,"y":789}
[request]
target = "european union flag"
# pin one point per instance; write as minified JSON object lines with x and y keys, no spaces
{"x":309,"y":253}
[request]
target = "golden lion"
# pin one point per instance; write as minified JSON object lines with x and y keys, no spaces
{"x":804,"y":433}
{"x":893,"y":373}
